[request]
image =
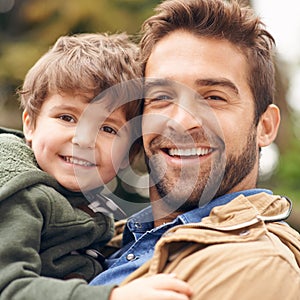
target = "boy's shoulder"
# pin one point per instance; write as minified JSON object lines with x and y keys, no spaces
{"x":14,"y":153}
{"x":17,"y":161}
{"x":15,"y":132}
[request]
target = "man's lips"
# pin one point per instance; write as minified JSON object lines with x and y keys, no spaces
{"x":188,"y":152}
{"x":77,"y":161}
{"x":189,"y":146}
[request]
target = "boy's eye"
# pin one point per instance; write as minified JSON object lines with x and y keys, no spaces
{"x":67,"y":118}
{"x":108,"y":129}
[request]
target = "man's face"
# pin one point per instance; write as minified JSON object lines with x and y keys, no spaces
{"x":199,"y":137}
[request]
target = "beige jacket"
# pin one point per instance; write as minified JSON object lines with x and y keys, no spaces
{"x":240,"y":251}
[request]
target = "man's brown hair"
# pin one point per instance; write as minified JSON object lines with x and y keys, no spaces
{"x":219,"y":19}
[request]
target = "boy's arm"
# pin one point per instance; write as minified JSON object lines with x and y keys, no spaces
{"x":21,"y":228}
{"x":161,"y":286}
{"x":116,"y":242}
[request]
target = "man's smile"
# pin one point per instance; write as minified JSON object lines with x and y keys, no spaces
{"x":186,"y":155}
{"x":188,"y":152}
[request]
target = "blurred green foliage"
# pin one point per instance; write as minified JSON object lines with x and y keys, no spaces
{"x":286,"y":180}
{"x":32,"y":26}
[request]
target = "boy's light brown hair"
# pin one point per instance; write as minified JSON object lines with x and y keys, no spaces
{"x":86,"y":63}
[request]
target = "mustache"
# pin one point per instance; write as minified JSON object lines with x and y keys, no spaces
{"x":170,"y":138}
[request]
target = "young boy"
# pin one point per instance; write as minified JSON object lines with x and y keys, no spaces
{"x":71,"y":147}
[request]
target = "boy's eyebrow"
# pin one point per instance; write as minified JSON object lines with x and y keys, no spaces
{"x":64,"y":107}
{"x":116,"y":121}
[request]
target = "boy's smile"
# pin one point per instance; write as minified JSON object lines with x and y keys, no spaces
{"x":78,"y":161}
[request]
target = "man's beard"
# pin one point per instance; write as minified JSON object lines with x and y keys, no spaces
{"x":191,"y":191}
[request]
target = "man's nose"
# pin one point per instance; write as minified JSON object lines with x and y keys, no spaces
{"x":182,"y":118}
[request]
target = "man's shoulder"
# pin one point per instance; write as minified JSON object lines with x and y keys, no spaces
{"x":241,"y":244}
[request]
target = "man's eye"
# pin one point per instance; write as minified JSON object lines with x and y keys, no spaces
{"x":108,"y":129}
{"x":157,"y":97}
{"x":214,"y":97}
{"x":67,"y":118}
{"x":161,"y":97}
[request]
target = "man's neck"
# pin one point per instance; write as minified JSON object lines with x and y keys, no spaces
{"x":164,"y":220}
{"x":162,"y":212}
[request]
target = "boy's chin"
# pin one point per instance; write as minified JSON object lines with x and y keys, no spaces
{"x":80,"y":186}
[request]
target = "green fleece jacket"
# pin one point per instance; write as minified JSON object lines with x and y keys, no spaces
{"x":48,"y":235}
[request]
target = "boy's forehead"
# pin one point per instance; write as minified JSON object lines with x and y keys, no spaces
{"x":86,"y":97}
{"x":110,"y":101}
{"x":105,"y":102}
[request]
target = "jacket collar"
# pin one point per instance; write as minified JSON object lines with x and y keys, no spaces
{"x":241,"y":220}
{"x":245,"y":211}
{"x":197,"y":214}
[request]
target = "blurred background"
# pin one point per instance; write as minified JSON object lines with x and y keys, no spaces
{"x":29,"y":27}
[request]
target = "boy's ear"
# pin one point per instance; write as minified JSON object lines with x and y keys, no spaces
{"x":27,"y":126}
{"x":268,"y":126}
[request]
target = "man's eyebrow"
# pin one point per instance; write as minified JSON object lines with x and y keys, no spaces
{"x":217,"y":82}
{"x":156,"y":82}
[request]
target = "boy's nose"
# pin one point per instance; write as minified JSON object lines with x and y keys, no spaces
{"x":84,"y":140}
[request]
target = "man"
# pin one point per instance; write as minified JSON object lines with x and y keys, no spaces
{"x":209,"y":89}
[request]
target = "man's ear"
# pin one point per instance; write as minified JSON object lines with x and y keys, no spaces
{"x":268,"y":126}
{"x":27,"y":126}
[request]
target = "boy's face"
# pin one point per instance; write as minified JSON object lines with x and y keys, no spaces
{"x":82,"y":145}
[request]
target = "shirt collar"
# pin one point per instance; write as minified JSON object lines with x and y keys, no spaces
{"x":197,"y":214}
{"x":143,"y":218}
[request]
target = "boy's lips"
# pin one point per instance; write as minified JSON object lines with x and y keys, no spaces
{"x":78,"y":161}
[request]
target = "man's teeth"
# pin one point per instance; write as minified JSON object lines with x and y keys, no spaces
{"x":189,"y":152}
{"x":77,"y":161}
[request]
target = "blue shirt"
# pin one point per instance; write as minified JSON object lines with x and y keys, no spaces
{"x":140,"y":237}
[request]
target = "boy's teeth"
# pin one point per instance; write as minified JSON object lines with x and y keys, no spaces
{"x":77,"y":161}
{"x":188,"y":152}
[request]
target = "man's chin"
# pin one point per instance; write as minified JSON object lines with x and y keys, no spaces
{"x":180,"y":201}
